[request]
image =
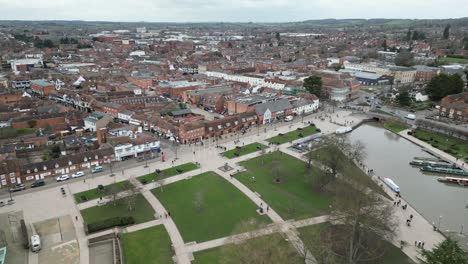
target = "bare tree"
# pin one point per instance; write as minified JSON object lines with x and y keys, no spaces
{"x":363,"y":222}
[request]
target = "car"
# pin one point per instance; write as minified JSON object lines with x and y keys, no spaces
{"x":38,"y":183}
{"x":62,"y":178}
{"x":97,"y":169}
{"x":17,"y":188}
{"x":78,"y":174}
{"x":378,"y":106}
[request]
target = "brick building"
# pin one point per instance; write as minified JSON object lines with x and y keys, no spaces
{"x":455,"y":107}
{"x":42,"y":87}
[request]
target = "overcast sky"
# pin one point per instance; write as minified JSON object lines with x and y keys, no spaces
{"x":227,"y":10}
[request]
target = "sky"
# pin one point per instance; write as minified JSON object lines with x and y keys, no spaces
{"x":227,"y":10}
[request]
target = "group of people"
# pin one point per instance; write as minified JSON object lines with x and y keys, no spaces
{"x":419,"y":244}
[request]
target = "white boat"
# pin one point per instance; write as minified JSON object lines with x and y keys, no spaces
{"x":392,"y":185}
{"x":343,"y":130}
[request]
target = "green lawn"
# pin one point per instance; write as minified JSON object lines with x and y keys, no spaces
{"x":395,"y":126}
{"x":216,"y":255}
{"x":167,"y":172}
{"x":293,"y":135}
{"x":392,"y":256}
{"x":206,"y":207}
{"x":293,"y":197}
{"x":350,"y":169}
{"x":143,"y":211}
{"x":95,"y":193}
{"x":448,"y":60}
{"x":150,"y":245}
{"x":454,"y":146}
{"x":243,"y":150}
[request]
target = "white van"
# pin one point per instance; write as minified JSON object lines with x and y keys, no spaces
{"x":35,"y":243}
{"x":288,"y":118}
{"x":410,"y":116}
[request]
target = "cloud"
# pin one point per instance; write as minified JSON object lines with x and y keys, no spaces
{"x":218,"y":10}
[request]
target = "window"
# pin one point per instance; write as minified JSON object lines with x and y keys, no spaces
{"x":12,"y":174}
{"x":2,"y":176}
{"x":4,"y":182}
{"x":13,"y":180}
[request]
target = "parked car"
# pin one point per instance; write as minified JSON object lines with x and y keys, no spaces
{"x":17,"y":188}
{"x":97,"y":169}
{"x":38,"y":183}
{"x":62,"y":178}
{"x":78,"y":174}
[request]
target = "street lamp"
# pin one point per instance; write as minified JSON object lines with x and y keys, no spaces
{"x":110,"y":166}
{"x":438,"y":224}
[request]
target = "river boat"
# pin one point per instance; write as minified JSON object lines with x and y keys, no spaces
{"x":445,"y":170}
{"x":392,"y":185}
{"x":460,"y":181}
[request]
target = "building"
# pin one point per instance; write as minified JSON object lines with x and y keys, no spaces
{"x":247,"y":103}
{"x":175,"y":89}
{"x":455,"y":107}
{"x":338,"y":86}
{"x":139,"y":144}
{"x":425,"y":73}
{"x":96,"y":121}
{"x":212,"y":98}
{"x":271,"y":111}
{"x":304,"y":106}
{"x":42,"y":87}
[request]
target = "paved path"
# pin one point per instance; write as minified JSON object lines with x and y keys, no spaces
{"x":176,"y":238}
{"x":270,"y":229}
{"x":436,"y":151}
{"x":141,"y":226}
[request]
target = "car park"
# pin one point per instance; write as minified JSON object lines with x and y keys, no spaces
{"x":62,"y":178}
{"x":78,"y":174}
{"x":17,"y":188}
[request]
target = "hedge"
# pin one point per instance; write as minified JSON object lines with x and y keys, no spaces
{"x":109,"y":223}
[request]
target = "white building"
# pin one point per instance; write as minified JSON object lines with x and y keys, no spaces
{"x":246,"y":79}
{"x":303,"y":106}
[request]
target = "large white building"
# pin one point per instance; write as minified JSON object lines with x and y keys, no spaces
{"x":402,"y":75}
{"x":246,"y":79}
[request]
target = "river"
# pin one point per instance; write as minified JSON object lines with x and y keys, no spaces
{"x":389,"y":155}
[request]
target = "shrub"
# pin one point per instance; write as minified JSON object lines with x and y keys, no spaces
{"x":318,"y":130}
{"x":109,"y":223}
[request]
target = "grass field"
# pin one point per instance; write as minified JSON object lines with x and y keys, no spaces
{"x":142,"y":212}
{"x":217,"y":255}
{"x":150,"y":245}
{"x":243,"y":150}
{"x":293,"y":197}
{"x":95,"y":193}
{"x":350,"y":169}
{"x":454,"y":146}
{"x":447,"y":60}
{"x":167,"y":172}
{"x":392,"y":256}
{"x":293,"y":135}
{"x":206,"y":207}
{"x":395,"y":126}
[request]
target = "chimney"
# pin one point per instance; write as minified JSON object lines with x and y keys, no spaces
{"x":101,"y":135}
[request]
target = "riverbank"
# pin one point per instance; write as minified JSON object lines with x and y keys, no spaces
{"x":435,"y":151}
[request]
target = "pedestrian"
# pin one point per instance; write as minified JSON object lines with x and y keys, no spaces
{"x":268,"y":208}
{"x":394,"y":203}
{"x":165,"y":215}
{"x":76,"y":217}
{"x":169,"y":213}
{"x":411,"y":216}
{"x":415,"y":243}
{"x":423,"y":244}
{"x":261,"y":204}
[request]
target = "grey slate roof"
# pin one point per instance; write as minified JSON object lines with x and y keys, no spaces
{"x":275,"y":106}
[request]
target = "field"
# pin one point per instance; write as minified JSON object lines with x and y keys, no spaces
{"x":95,"y":193}
{"x":448,"y":60}
{"x":206,"y":207}
{"x":454,"y":146}
{"x":293,"y":135}
{"x":292,"y":197}
{"x":395,"y":126}
{"x":150,"y":245}
{"x":243,"y":150}
{"x":142,"y":212}
{"x":167,"y":172}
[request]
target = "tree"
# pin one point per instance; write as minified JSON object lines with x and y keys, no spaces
{"x":363,"y":223}
{"x":254,"y":248}
{"x":447,"y":252}
{"x":278,"y":36}
{"x":447,"y":31}
{"x":443,"y":85}
{"x":403,"y":98}
{"x":404,"y":58}
{"x":384,"y":45}
{"x":313,"y":85}
{"x":131,"y":197}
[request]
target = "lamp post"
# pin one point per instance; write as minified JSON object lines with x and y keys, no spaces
{"x":146,"y":161}
{"x":438,"y":224}
{"x":110,"y":166}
